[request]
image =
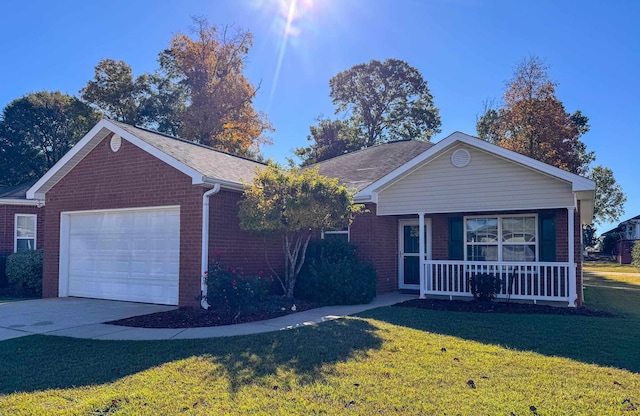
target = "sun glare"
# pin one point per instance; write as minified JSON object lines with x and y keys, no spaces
{"x":290,"y":21}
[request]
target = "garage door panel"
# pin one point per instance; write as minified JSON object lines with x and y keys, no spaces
{"x":125,"y":255}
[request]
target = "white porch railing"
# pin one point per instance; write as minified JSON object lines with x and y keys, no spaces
{"x":530,"y":281}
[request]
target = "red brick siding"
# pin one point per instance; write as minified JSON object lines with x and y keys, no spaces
{"x":237,"y":247}
{"x":7,"y":229}
{"x":128,"y":178}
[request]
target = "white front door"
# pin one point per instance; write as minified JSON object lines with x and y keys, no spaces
{"x":409,"y":248}
{"x":127,"y":254}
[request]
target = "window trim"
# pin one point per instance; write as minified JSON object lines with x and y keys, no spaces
{"x":334,"y":232}
{"x":15,"y":231}
{"x":501,"y":243}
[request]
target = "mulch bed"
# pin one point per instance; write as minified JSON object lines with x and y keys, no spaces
{"x":499,"y":307}
{"x":215,"y":316}
{"x":218,"y":316}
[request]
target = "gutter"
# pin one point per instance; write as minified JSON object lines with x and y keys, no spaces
{"x":26,"y":202}
{"x":205,"y":243}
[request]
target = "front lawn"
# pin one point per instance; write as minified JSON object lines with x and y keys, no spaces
{"x":384,"y":361}
{"x":609,"y":266}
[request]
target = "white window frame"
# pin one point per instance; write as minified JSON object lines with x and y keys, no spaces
{"x":15,"y":231}
{"x":501,"y":243}
{"x":347,"y":232}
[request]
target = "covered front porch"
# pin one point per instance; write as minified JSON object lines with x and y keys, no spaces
{"x":532,"y":254}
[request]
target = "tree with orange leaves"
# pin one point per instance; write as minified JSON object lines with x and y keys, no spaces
{"x":219,"y":110}
{"x":534,"y":122}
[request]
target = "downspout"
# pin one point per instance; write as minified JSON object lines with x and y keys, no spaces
{"x":205,"y":244}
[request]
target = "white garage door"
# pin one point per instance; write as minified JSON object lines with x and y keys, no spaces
{"x":131,"y":255}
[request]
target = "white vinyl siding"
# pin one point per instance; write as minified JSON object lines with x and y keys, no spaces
{"x":25,"y":231}
{"x":487,"y":183}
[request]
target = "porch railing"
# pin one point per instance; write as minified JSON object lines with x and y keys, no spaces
{"x":529,"y":281}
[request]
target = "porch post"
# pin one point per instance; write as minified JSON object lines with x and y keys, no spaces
{"x":422,"y":250}
{"x":572,"y":264}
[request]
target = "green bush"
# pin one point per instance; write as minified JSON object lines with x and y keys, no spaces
{"x":635,"y":255}
{"x":332,"y":275}
{"x":24,"y":272}
{"x":485,"y":286}
{"x":238,"y":294}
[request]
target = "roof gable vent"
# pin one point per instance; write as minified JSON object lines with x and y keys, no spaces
{"x":115,"y":143}
{"x":460,"y":158}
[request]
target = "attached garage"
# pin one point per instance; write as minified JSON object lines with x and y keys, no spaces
{"x":126,"y":254}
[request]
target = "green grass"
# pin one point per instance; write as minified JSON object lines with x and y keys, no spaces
{"x":384,"y":361}
{"x":609,"y":266}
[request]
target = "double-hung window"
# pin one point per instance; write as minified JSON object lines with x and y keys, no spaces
{"x":501,"y":238}
{"x":342,"y":234}
{"x":25,"y":232}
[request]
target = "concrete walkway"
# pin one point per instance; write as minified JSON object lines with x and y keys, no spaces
{"x":82,"y":318}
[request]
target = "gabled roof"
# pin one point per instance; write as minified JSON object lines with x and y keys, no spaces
{"x":359,"y":169}
{"x":583,"y":188}
{"x":203,"y":164}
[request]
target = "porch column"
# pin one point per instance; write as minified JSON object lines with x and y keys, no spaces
{"x":423,"y":251}
{"x":572,"y":264}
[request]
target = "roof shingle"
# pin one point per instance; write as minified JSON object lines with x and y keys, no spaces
{"x":360,"y":169}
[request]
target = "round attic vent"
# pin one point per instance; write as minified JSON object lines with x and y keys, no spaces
{"x":460,"y":158}
{"x":115,"y":143}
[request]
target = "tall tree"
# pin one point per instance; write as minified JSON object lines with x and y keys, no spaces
{"x":385,"y":101}
{"x":610,"y":199}
{"x":533,"y":122}
{"x":37,"y":130}
{"x":117,"y":94}
{"x":329,"y":138}
{"x":292,"y":204}
{"x":219,"y":110}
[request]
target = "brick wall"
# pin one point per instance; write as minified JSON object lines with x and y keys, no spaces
{"x":7,"y":229}
{"x":128,"y":178}
{"x":237,"y":247}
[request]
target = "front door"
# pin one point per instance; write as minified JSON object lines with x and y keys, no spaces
{"x":409,"y":245}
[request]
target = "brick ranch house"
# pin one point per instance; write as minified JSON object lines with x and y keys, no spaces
{"x":136,"y":215}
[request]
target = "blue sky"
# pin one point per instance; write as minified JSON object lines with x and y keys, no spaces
{"x":465,"y":49}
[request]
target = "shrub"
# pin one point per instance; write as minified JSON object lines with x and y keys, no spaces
{"x":485,"y":286}
{"x":24,"y":272}
{"x":238,"y":294}
{"x":332,"y":275}
{"x":635,"y":255}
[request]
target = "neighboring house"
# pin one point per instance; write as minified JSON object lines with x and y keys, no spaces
{"x":136,"y":215}
{"x":21,"y":223}
{"x":626,"y":234}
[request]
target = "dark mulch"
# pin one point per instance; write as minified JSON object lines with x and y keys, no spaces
{"x":219,"y":316}
{"x":499,"y":307}
{"x":215,"y":316}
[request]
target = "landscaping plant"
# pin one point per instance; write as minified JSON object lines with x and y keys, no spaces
{"x":24,"y":272}
{"x":485,"y":286}
{"x":332,"y":275}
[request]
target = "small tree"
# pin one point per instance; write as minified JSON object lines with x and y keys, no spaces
{"x":635,"y":255}
{"x":294,"y":204}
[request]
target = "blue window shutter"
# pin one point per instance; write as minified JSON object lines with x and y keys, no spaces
{"x":547,"y":237}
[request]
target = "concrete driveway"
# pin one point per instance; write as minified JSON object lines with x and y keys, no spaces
{"x":58,"y":316}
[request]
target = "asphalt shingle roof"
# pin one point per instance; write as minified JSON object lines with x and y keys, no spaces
{"x":15,"y":192}
{"x":360,"y":169}
{"x":206,"y":160}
